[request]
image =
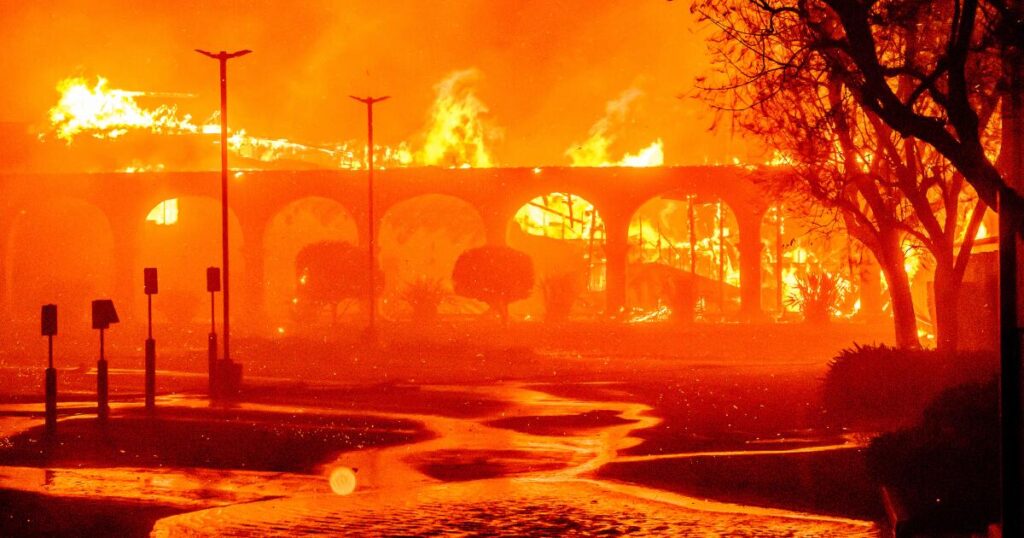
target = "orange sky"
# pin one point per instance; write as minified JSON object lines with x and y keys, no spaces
{"x":548,"y":67}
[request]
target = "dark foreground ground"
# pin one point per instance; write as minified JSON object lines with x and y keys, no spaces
{"x":639,"y":421}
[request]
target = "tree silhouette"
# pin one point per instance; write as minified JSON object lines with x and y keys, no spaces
{"x":928,"y":70}
{"x":496,"y":275}
{"x":330,"y":272}
{"x":895,"y":193}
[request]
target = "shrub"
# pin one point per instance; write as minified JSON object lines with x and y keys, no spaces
{"x":560,"y":295}
{"x":424,"y":295}
{"x":946,"y":469}
{"x":817,"y":297}
{"x":496,"y":275}
{"x":884,"y":387}
{"x":330,"y":272}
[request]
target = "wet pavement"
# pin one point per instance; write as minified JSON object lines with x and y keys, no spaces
{"x":472,"y":477}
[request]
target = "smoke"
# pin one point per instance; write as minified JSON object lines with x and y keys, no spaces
{"x":595,"y":151}
{"x":548,"y":67}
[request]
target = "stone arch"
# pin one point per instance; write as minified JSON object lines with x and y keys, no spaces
{"x":687,"y":238}
{"x":420,"y":237}
{"x":181,"y":237}
{"x":59,"y":251}
{"x":301,"y":222}
{"x":565,"y":236}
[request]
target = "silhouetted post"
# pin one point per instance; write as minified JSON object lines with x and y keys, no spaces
{"x":693,"y":242}
{"x":690,"y":222}
{"x":151,"y":289}
{"x":590,"y":247}
{"x":1010,"y":223}
{"x":222,"y":57}
{"x":213,"y":286}
{"x":778,"y":259}
{"x":103,"y":314}
{"x":721,"y":258}
{"x":371,"y":329}
{"x":49,"y":322}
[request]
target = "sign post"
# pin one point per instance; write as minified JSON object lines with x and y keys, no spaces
{"x":151,"y":289}
{"x":49,"y":323}
{"x":213,"y":286}
{"x":103,"y":314}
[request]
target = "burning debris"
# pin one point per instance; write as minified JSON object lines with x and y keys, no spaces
{"x":458,"y":133}
{"x":104,"y":112}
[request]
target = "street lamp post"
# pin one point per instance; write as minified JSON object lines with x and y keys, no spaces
{"x":371,"y":329}
{"x":222,"y":57}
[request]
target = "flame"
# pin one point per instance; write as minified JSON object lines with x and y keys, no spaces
{"x":105,"y":112}
{"x":344,"y":156}
{"x":912,"y":264}
{"x":779,"y":159}
{"x":982,"y":232}
{"x":458,"y":134}
{"x":138,"y":168}
{"x":652,"y":155}
{"x":595,"y":150}
{"x":790,"y":286}
{"x":662,"y":313}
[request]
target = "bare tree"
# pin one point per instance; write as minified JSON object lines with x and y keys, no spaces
{"x":789,"y":74}
{"x":952,"y":53}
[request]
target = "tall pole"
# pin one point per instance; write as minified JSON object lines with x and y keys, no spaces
{"x":222,"y":57}
{"x":102,"y":401}
{"x":691,"y":224}
{"x":721,"y":258}
{"x":693,"y":237}
{"x":371,"y":328}
{"x":150,"y":377}
{"x":778,"y":259}
{"x":1010,"y":222}
{"x":49,"y":326}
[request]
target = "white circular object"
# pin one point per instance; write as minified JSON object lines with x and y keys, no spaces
{"x":343,"y":480}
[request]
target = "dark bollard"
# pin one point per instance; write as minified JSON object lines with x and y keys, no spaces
{"x":229,"y":378}
{"x":102,"y":401}
{"x":149,"y":277}
{"x":213,"y":286}
{"x":150,"y":374}
{"x":103,"y":314}
{"x":212,"y":356}
{"x":51,"y":400}
{"x":49,"y":319}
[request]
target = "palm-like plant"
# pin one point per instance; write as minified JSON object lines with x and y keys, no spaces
{"x":817,"y":297}
{"x":424,"y":295}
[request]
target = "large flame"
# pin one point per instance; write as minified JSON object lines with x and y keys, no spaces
{"x":105,"y":112}
{"x":458,"y":134}
{"x":102,"y":112}
{"x":595,"y":151}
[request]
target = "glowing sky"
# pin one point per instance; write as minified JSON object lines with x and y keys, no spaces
{"x":548,"y":67}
